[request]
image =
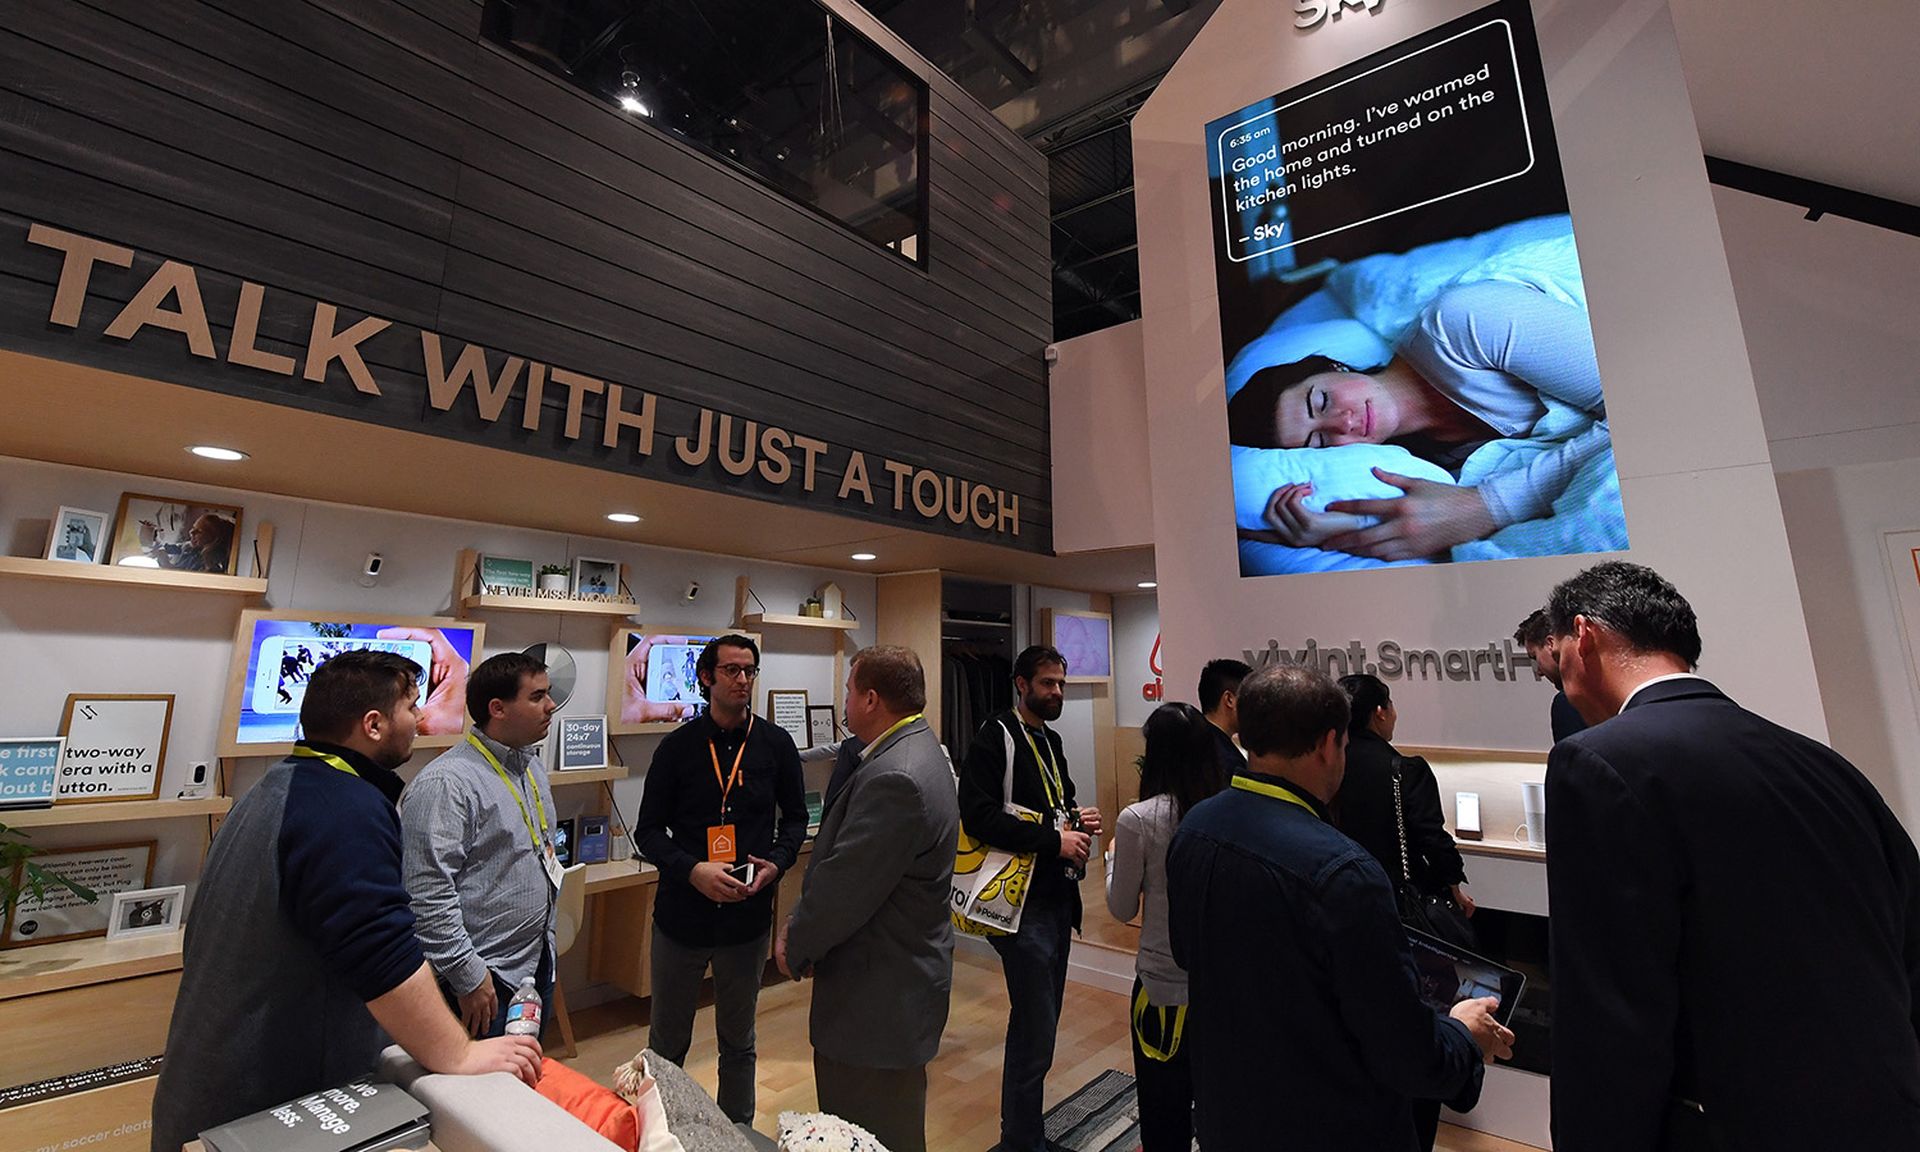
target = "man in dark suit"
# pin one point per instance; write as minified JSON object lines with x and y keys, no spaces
{"x":1220,"y":703}
{"x":1736,"y":913}
{"x":872,"y":922}
{"x":1537,"y":638}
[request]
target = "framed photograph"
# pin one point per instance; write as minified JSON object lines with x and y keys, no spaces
{"x":275,"y":653}
{"x":787,"y":708}
{"x":505,"y":575}
{"x":564,"y":838}
{"x":1085,"y":639}
{"x":78,"y":536}
{"x":146,"y":912}
{"x":177,"y":533}
{"x":61,"y":914}
{"x":653,"y":683}
{"x":823,"y":727}
{"x":578,"y":742}
{"x":116,"y":747}
{"x":30,"y":770}
{"x":596,"y":578}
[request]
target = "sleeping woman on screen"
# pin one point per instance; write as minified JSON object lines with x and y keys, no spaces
{"x":1481,"y":364}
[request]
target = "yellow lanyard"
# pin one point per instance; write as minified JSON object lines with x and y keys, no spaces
{"x":1173,"y":1022}
{"x":1273,"y":790}
{"x":338,"y":764}
{"x":1049,"y":771}
{"x":897,"y":725}
{"x":727,"y":782}
{"x":538,"y":838}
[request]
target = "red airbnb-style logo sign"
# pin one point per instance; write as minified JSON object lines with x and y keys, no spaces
{"x":1153,"y":689}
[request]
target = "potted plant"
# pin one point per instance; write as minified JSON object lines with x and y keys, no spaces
{"x":16,"y":881}
{"x":553,"y":578}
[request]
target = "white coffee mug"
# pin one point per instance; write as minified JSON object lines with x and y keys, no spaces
{"x":1533,"y":803}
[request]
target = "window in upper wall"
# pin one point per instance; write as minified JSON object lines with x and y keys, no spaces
{"x":781,"y":89}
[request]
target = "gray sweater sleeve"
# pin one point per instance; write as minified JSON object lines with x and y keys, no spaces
{"x":1496,"y":348}
{"x":1126,"y":880}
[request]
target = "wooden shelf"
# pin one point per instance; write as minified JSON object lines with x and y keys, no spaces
{"x":764,"y":619}
{"x":37,"y":968}
{"x":114,"y":812}
{"x":481,"y":602}
{"x":586,"y":776}
{"x":620,"y":874}
{"x":1503,"y":849}
{"x":131,"y":577}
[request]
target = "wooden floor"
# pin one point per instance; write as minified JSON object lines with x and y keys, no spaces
{"x":963,"y":1091}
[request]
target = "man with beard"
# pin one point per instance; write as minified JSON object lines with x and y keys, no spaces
{"x":724,"y":791}
{"x":301,"y":949}
{"x":1017,"y":760}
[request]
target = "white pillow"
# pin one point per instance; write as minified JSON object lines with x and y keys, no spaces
{"x":1343,"y":473}
{"x":821,"y":1132}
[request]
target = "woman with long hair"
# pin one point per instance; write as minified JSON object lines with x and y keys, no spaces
{"x":1365,"y":810}
{"x":1179,"y":770}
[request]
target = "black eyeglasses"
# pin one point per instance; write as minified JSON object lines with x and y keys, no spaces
{"x":738,"y":671}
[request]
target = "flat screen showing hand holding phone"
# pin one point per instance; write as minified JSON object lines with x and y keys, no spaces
{"x":654,"y":680}
{"x":1447,"y":975}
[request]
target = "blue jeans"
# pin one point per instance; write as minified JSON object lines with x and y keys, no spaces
{"x":542,"y":982}
{"x":1035,"y":962}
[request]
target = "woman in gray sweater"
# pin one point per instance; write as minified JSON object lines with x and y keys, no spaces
{"x":1179,"y":770}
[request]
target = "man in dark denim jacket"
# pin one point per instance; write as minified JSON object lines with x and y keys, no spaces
{"x":1308,"y":1030}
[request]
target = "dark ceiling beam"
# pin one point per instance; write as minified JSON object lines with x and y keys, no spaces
{"x":1096,"y":202}
{"x":997,"y":54}
{"x":1817,"y":198}
{"x":1107,"y":255}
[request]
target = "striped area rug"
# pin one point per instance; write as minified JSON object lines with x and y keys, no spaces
{"x":1103,"y":1116}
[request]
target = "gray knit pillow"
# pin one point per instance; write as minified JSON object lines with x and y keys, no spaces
{"x":692,"y":1116}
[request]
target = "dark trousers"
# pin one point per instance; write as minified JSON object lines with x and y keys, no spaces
{"x":677,"y":971}
{"x":1426,"y":1122}
{"x":891,"y":1103}
{"x":503,"y":995}
{"x":1164,"y":1087}
{"x":1035,"y":962}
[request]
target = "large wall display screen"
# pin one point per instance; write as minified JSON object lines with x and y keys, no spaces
{"x":275,"y":654}
{"x":1410,"y":368}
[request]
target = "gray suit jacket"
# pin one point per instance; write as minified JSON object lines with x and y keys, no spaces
{"x":872,"y":920}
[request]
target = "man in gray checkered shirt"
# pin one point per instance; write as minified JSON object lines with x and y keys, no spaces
{"x":478,"y":826}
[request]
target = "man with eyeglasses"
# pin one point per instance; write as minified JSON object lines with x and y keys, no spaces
{"x":722,"y":817}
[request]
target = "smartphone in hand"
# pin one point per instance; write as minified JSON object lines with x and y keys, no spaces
{"x":743,"y":872}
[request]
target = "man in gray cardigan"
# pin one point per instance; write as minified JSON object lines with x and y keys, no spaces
{"x":872,"y":923}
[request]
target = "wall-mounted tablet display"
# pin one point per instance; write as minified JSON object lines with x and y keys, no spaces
{"x":1410,"y":366}
{"x":276,"y":653}
{"x":652,"y":683}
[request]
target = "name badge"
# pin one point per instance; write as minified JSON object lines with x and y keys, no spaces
{"x":550,"y":860}
{"x":722,"y":848}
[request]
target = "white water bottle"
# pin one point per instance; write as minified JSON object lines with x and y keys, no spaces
{"x":523,"y":1011}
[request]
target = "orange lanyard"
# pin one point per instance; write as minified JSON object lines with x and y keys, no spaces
{"x":727,"y":782}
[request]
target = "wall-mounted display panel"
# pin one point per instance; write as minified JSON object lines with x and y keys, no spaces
{"x":652,"y":682}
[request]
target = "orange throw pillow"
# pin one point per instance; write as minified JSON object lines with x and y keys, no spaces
{"x":598,"y":1107}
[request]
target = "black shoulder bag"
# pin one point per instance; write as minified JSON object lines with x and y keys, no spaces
{"x":1436,"y":914}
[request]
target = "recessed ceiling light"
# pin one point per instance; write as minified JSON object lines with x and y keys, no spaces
{"x":214,"y":452}
{"x":865,"y":556}
{"x":1148,"y":584}
{"x":623,"y":518}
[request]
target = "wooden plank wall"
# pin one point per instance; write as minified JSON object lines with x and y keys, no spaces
{"x":381,"y":156}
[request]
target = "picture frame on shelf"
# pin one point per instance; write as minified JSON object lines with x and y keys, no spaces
{"x":116,"y":747}
{"x":578,"y":743}
{"x":30,"y":770}
{"x":823,"y":727}
{"x":505,"y":576}
{"x":177,"y":533}
{"x":61,"y":914}
{"x":787,"y":708}
{"x":595,"y":579}
{"x":146,"y":912}
{"x":78,"y":536}
{"x":1085,"y":639}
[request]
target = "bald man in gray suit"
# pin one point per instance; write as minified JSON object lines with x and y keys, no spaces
{"x":872,"y":924}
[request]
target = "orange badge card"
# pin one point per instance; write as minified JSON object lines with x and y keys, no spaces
{"x":721,"y":846}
